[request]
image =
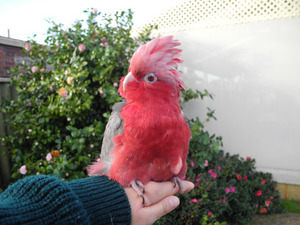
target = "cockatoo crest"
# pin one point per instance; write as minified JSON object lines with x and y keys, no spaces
{"x":159,"y":57}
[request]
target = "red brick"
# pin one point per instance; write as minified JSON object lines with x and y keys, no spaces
{"x":6,"y":59}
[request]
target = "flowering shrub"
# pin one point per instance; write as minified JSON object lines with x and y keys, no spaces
{"x":65,"y":93}
{"x":227,"y":187}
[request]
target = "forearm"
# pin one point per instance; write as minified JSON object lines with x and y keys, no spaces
{"x":48,"y":200}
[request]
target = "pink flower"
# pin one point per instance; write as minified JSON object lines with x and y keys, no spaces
{"x":232,"y":189}
{"x":271,"y":197}
{"x":106,"y":44}
{"x":42,"y":70}
{"x":116,"y":84}
{"x":95,"y":10}
{"x":68,"y":119}
{"x":198,"y":179}
{"x":101,"y":92}
{"x":209,"y":213}
{"x":48,"y":157}
{"x":27,"y":47}
{"x":223,"y":200}
{"x":263,"y":181}
{"x":238,"y":176}
{"x":227,"y":190}
{"x":192,"y":164}
{"x":91,"y":146}
{"x":248,"y":158}
{"x":70,"y":80}
{"x":23,"y":169}
{"x":263,"y":210}
{"x":258,"y":193}
{"x":81,"y":47}
{"x":219,"y":168}
{"x":51,"y":88}
{"x":267,"y":203}
{"x":194,"y":201}
{"x":211,"y":172}
{"x":34,"y":69}
{"x":56,"y":44}
{"x":245,"y":177}
{"x":63,"y":92}
{"x":205,"y":163}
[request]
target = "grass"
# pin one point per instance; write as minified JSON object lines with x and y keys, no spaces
{"x":291,"y":206}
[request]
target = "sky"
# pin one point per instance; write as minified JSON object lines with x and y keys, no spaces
{"x":24,"y":18}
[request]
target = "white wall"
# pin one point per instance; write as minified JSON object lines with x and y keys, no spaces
{"x":254,"y":71}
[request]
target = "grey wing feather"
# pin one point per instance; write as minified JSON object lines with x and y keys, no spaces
{"x":113,"y":128}
{"x":185,"y":117}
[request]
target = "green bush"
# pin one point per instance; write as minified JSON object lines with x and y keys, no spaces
{"x":66,"y":89}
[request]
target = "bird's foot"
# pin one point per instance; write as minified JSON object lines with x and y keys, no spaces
{"x":139,"y":187}
{"x":178,"y":181}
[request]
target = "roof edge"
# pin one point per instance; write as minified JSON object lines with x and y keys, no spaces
{"x":11,"y":42}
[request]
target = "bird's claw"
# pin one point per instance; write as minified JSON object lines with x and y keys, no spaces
{"x":178,"y":181}
{"x":139,"y":187}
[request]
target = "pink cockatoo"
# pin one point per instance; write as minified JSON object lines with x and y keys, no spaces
{"x":147,"y":137}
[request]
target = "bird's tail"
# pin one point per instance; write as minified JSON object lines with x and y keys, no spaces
{"x":99,"y":168}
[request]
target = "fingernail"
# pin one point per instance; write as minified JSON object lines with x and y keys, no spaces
{"x":174,"y":202}
{"x":190,"y":186}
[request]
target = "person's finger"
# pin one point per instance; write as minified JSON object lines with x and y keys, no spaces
{"x":154,"y":212}
{"x":155,"y":191}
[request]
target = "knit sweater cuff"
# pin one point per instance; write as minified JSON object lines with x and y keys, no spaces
{"x":104,"y":200}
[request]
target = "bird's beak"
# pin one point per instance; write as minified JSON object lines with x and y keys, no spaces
{"x":129,"y":77}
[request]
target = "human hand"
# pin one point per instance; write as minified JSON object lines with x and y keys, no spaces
{"x":159,"y":200}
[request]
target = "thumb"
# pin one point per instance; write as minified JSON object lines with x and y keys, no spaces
{"x":161,"y":208}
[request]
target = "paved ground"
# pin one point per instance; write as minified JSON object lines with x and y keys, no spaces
{"x":277,"y":219}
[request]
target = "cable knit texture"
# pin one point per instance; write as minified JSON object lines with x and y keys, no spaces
{"x":48,"y":200}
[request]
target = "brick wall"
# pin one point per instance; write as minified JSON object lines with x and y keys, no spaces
{"x":10,"y":52}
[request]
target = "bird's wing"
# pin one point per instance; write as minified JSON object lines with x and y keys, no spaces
{"x":186,"y":119}
{"x":113,"y":128}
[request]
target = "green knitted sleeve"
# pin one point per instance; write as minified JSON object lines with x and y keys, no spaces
{"x":48,"y":200}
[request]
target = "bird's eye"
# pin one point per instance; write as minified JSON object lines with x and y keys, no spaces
{"x":150,"y":78}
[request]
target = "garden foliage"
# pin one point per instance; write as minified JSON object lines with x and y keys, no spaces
{"x":66,"y":89}
{"x":227,"y":187}
{"x":65,"y":93}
